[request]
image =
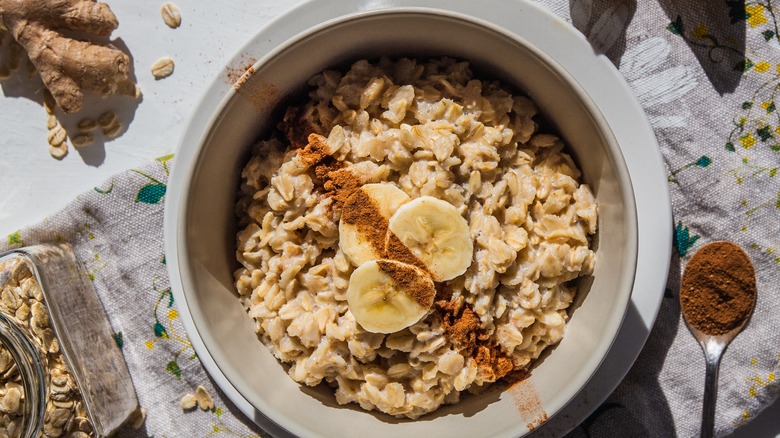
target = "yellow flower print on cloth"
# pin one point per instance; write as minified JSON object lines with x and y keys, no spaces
{"x":219,"y":428}
{"x":755,"y":383}
{"x":755,"y":14}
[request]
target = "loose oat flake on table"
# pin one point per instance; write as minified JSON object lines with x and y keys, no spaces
{"x":171,"y":15}
{"x":340,"y":235}
{"x":162,"y":68}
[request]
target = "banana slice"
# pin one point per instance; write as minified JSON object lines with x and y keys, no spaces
{"x":436,"y":234}
{"x":386,"y":296}
{"x":363,"y":224}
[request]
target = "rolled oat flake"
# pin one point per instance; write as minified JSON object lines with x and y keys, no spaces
{"x":61,"y":371}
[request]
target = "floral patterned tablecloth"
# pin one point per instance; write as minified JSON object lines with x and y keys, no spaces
{"x":707,"y":74}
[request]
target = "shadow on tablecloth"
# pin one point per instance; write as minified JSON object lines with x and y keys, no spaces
{"x":638,"y":407}
{"x":604,"y":23}
{"x":712,"y":30}
{"x":713,"y":34}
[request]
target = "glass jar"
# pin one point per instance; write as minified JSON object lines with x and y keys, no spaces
{"x":57,"y":349}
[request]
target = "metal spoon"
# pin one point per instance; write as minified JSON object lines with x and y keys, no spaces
{"x":714,"y":345}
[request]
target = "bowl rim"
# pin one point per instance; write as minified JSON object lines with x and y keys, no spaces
{"x":176,"y":201}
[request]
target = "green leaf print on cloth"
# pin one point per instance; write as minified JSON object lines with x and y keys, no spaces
{"x":154,"y":191}
{"x":676,"y":27}
{"x":164,"y":316}
{"x":15,"y":239}
{"x":151,"y":193}
{"x":119,"y":339}
{"x":106,"y":190}
{"x":683,"y":241}
{"x":703,"y":161}
{"x":173,"y":368}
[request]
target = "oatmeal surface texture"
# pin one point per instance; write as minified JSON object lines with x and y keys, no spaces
{"x":429,"y":128}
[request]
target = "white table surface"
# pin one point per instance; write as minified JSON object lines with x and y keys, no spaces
{"x":34,"y":184}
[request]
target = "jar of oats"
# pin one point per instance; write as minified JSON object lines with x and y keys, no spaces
{"x":61,"y":371}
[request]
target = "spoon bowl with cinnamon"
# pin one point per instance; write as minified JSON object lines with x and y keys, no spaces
{"x":717,"y":296}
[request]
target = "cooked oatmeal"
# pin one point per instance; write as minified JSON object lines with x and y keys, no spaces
{"x":421,"y":130}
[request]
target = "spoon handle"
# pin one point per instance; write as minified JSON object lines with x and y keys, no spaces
{"x":710,"y":392}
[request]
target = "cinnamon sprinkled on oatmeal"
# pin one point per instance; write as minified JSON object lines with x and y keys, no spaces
{"x":464,"y":330}
{"x":324,"y":167}
{"x":360,"y":210}
{"x":460,"y":327}
{"x":410,"y":281}
{"x":314,"y":151}
{"x":331,"y":178}
{"x":491,"y":362}
{"x":340,"y":184}
{"x":396,"y":250}
{"x":363,"y":212}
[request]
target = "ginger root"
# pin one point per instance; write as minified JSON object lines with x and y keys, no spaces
{"x":67,"y":66}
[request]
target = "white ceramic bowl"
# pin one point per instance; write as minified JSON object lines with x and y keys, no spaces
{"x":201,"y":226}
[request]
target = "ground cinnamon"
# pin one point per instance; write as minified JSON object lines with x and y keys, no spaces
{"x":332,"y":179}
{"x":409,"y":280}
{"x":396,"y":250}
{"x":339,"y":185}
{"x":718,"y":288}
{"x":360,"y":210}
{"x":314,"y":150}
{"x":462,"y":327}
{"x":491,"y":362}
